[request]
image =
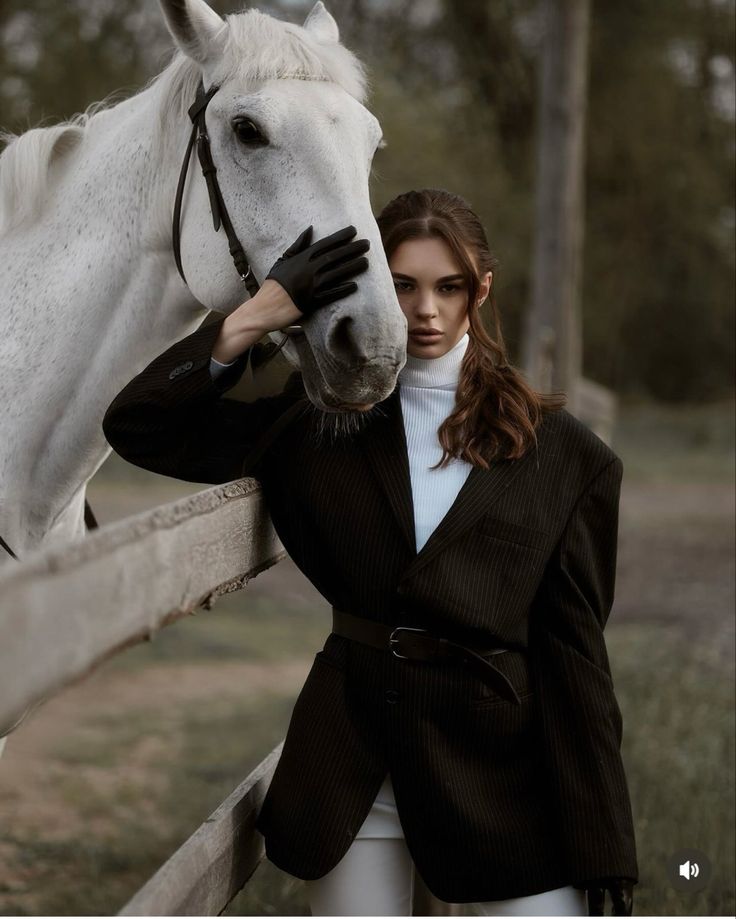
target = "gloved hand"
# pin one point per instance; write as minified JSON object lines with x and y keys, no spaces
{"x":314,"y":275}
{"x":622,"y":895}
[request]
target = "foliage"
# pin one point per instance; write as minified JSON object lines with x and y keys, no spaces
{"x":660,"y":184}
{"x":455,"y":87}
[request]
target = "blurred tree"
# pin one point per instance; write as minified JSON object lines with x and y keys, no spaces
{"x":57,"y":58}
{"x":453,"y":82}
{"x":498,"y":68}
{"x":659,"y":266}
{"x":553,"y":336}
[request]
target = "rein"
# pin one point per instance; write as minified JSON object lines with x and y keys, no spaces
{"x":220,"y":217}
{"x":89,"y":519}
{"x":200,"y":137}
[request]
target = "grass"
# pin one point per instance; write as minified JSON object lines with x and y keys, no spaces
{"x":240,"y":627}
{"x":676,"y":698}
{"x":676,"y":443}
{"x":208,"y":750}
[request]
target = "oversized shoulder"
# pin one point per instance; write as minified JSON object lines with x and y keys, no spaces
{"x":574,"y":447}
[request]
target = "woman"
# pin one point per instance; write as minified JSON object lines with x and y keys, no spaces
{"x":465,"y":536}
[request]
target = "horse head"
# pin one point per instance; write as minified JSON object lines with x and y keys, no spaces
{"x":292,"y":142}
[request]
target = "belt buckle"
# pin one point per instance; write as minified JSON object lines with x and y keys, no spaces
{"x":394,"y":641}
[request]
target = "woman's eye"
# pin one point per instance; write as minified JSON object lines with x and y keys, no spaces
{"x":247,"y":132}
{"x":450,"y":287}
{"x":401,"y":285}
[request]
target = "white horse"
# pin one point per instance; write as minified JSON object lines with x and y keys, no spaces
{"x":89,"y":291}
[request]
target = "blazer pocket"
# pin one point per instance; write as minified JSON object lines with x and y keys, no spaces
{"x":515,"y":667}
{"x":498,"y":528}
{"x":510,"y":730}
{"x":493,"y":699}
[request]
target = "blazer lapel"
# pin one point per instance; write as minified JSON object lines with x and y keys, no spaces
{"x":480,"y":490}
{"x":386,"y":450}
{"x":384,"y":444}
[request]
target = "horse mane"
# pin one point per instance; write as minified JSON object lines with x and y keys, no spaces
{"x":259,"y":47}
{"x":27,"y":158}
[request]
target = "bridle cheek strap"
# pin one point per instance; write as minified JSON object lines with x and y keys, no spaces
{"x":219,"y":216}
{"x":217,"y":205}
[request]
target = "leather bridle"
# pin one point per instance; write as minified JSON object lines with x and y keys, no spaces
{"x":200,"y":137}
{"x":89,"y":519}
{"x":220,"y":217}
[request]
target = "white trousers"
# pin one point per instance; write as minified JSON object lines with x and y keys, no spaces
{"x":375,"y":877}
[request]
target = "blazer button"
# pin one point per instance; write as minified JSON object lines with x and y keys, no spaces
{"x":182,"y":368}
{"x":392,"y":695}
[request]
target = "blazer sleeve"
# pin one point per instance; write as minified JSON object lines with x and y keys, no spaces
{"x":580,"y":721}
{"x":173,"y":419}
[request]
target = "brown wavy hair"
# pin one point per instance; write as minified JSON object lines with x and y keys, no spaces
{"x":496,"y":412}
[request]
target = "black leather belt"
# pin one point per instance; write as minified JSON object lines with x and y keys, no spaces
{"x":416,"y":644}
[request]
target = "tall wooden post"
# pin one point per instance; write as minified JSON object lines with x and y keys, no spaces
{"x":552,"y":348}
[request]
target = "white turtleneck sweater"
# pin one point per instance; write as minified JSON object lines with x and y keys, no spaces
{"x":427,"y":392}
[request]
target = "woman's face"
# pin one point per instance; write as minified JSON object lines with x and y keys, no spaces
{"x":432,"y":294}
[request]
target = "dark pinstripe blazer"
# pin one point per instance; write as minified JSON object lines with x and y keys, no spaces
{"x":495,"y":800}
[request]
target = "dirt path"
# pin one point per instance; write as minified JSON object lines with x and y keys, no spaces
{"x":28,"y":793}
{"x":676,"y":560}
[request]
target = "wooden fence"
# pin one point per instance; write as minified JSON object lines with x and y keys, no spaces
{"x":66,"y":610}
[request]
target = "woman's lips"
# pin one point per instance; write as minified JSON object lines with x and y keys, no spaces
{"x":425,"y":336}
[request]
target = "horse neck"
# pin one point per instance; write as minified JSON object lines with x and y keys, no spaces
{"x":92,"y":298}
{"x":102,"y":244}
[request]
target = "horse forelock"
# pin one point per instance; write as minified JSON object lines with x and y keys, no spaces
{"x":267,"y":48}
{"x":259,"y":48}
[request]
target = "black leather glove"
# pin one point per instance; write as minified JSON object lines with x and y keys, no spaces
{"x":314,"y":275}
{"x":622,"y":895}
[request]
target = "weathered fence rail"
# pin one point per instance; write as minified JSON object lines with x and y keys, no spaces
{"x":64,"y":611}
{"x":203,"y":876}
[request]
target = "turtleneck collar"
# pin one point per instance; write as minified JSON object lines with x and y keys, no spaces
{"x":435,"y":372}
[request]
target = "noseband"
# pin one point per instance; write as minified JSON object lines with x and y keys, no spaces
{"x":220,"y":215}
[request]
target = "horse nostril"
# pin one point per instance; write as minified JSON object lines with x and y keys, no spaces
{"x":343,"y":347}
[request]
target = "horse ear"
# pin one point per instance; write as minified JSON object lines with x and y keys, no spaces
{"x":195,"y":26}
{"x":321,"y":23}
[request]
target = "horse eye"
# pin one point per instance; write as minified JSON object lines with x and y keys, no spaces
{"x":247,"y":132}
